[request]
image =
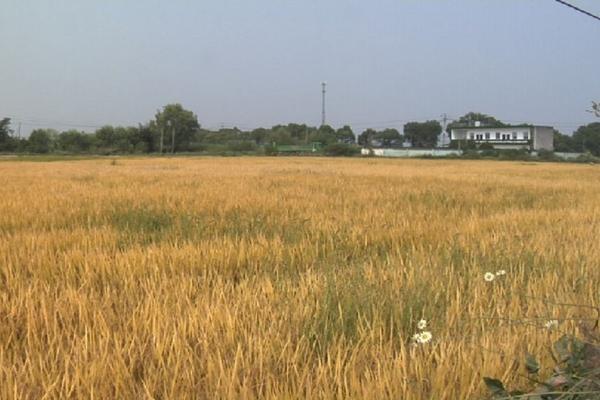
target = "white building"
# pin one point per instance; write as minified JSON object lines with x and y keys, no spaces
{"x":509,"y":137}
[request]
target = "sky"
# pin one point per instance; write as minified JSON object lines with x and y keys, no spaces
{"x":251,"y":63}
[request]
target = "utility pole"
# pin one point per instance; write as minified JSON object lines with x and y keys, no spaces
{"x":162,"y":138}
{"x":172,"y":139}
{"x":323,"y":119}
{"x":19,"y":131}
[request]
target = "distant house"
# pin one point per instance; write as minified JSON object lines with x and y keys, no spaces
{"x":528,"y":137}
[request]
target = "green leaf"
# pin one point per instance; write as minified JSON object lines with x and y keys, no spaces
{"x":517,"y":393}
{"x":577,"y":353}
{"x":561,"y":347}
{"x":495,"y":386}
{"x":531,"y":364}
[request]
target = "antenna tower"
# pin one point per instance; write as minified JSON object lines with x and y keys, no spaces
{"x":324,"y":91}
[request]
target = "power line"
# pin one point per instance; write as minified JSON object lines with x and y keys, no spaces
{"x":391,"y":121}
{"x":589,"y":14}
{"x":381,"y":124}
{"x":45,"y":122}
{"x":60,"y":124}
{"x":34,"y":121}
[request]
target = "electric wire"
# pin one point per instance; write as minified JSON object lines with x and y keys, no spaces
{"x":589,"y":14}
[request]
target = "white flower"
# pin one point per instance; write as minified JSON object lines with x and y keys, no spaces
{"x":489,"y":277}
{"x":501,"y":272}
{"x":426,"y":337}
{"x":422,"y":324}
{"x":423,"y":337}
{"x":553,"y":323}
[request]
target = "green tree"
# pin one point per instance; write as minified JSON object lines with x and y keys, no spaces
{"x":260,"y":136}
{"x":470,"y":118}
{"x":341,"y":149}
{"x":5,"y":130}
{"x":127,"y":139}
{"x":422,"y":134}
{"x":325,"y":135}
{"x":280,"y":135}
{"x":587,"y":138}
{"x":147,"y":137}
{"x":74,"y":141}
{"x":41,"y":141}
{"x":345,"y":135}
{"x":564,"y":143}
{"x":389,"y":137}
{"x":595,"y":108}
{"x":177,"y":126}
{"x":7,"y":142}
{"x":298,"y":131}
{"x":105,"y":137}
{"x":366,"y":138}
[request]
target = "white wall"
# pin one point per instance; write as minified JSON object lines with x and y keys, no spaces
{"x":407,"y":153}
{"x":465,"y":134}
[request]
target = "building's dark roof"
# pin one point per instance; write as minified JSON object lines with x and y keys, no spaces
{"x":491,"y":127}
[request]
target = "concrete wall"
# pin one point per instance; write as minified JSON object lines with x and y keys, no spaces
{"x":407,"y":153}
{"x":569,"y":156}
{"x":543,"y":138}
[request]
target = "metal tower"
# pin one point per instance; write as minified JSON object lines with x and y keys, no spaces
{"x":324,"y":86}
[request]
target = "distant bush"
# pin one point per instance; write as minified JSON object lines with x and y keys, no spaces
{"x":587,"y":158}
{"x":489,"y":153}
{"x":547,"y":155}
{"x":486,"y":146}
{"x":471,"y":155}
{"x":341,"y":150}
{"x":270,"y":150}
{"x":197,"y":147}
{"x":242,"y":146}
{"x":488,"y":150}
{"x":463,"y":144}
{"x":521,"y":155}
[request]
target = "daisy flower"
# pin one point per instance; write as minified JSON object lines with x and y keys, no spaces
{"x":425,"y":337}
{"x":489,"y":277}
{"x":422,"y":338}
{"x":553,"y":323}
{"x":422,"y":324}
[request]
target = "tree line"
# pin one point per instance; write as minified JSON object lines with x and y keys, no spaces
{"x":175,"y":129}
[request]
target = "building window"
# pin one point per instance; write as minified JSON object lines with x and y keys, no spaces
{"x":471,"y":136}
{"x":525,"y":135}
{"x":487,"y":136}
{"x":497,"y":135}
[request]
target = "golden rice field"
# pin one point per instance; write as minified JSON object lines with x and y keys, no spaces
{"x":287,"y":278}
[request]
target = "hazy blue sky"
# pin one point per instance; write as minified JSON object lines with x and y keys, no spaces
{"x":258,"y":63}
